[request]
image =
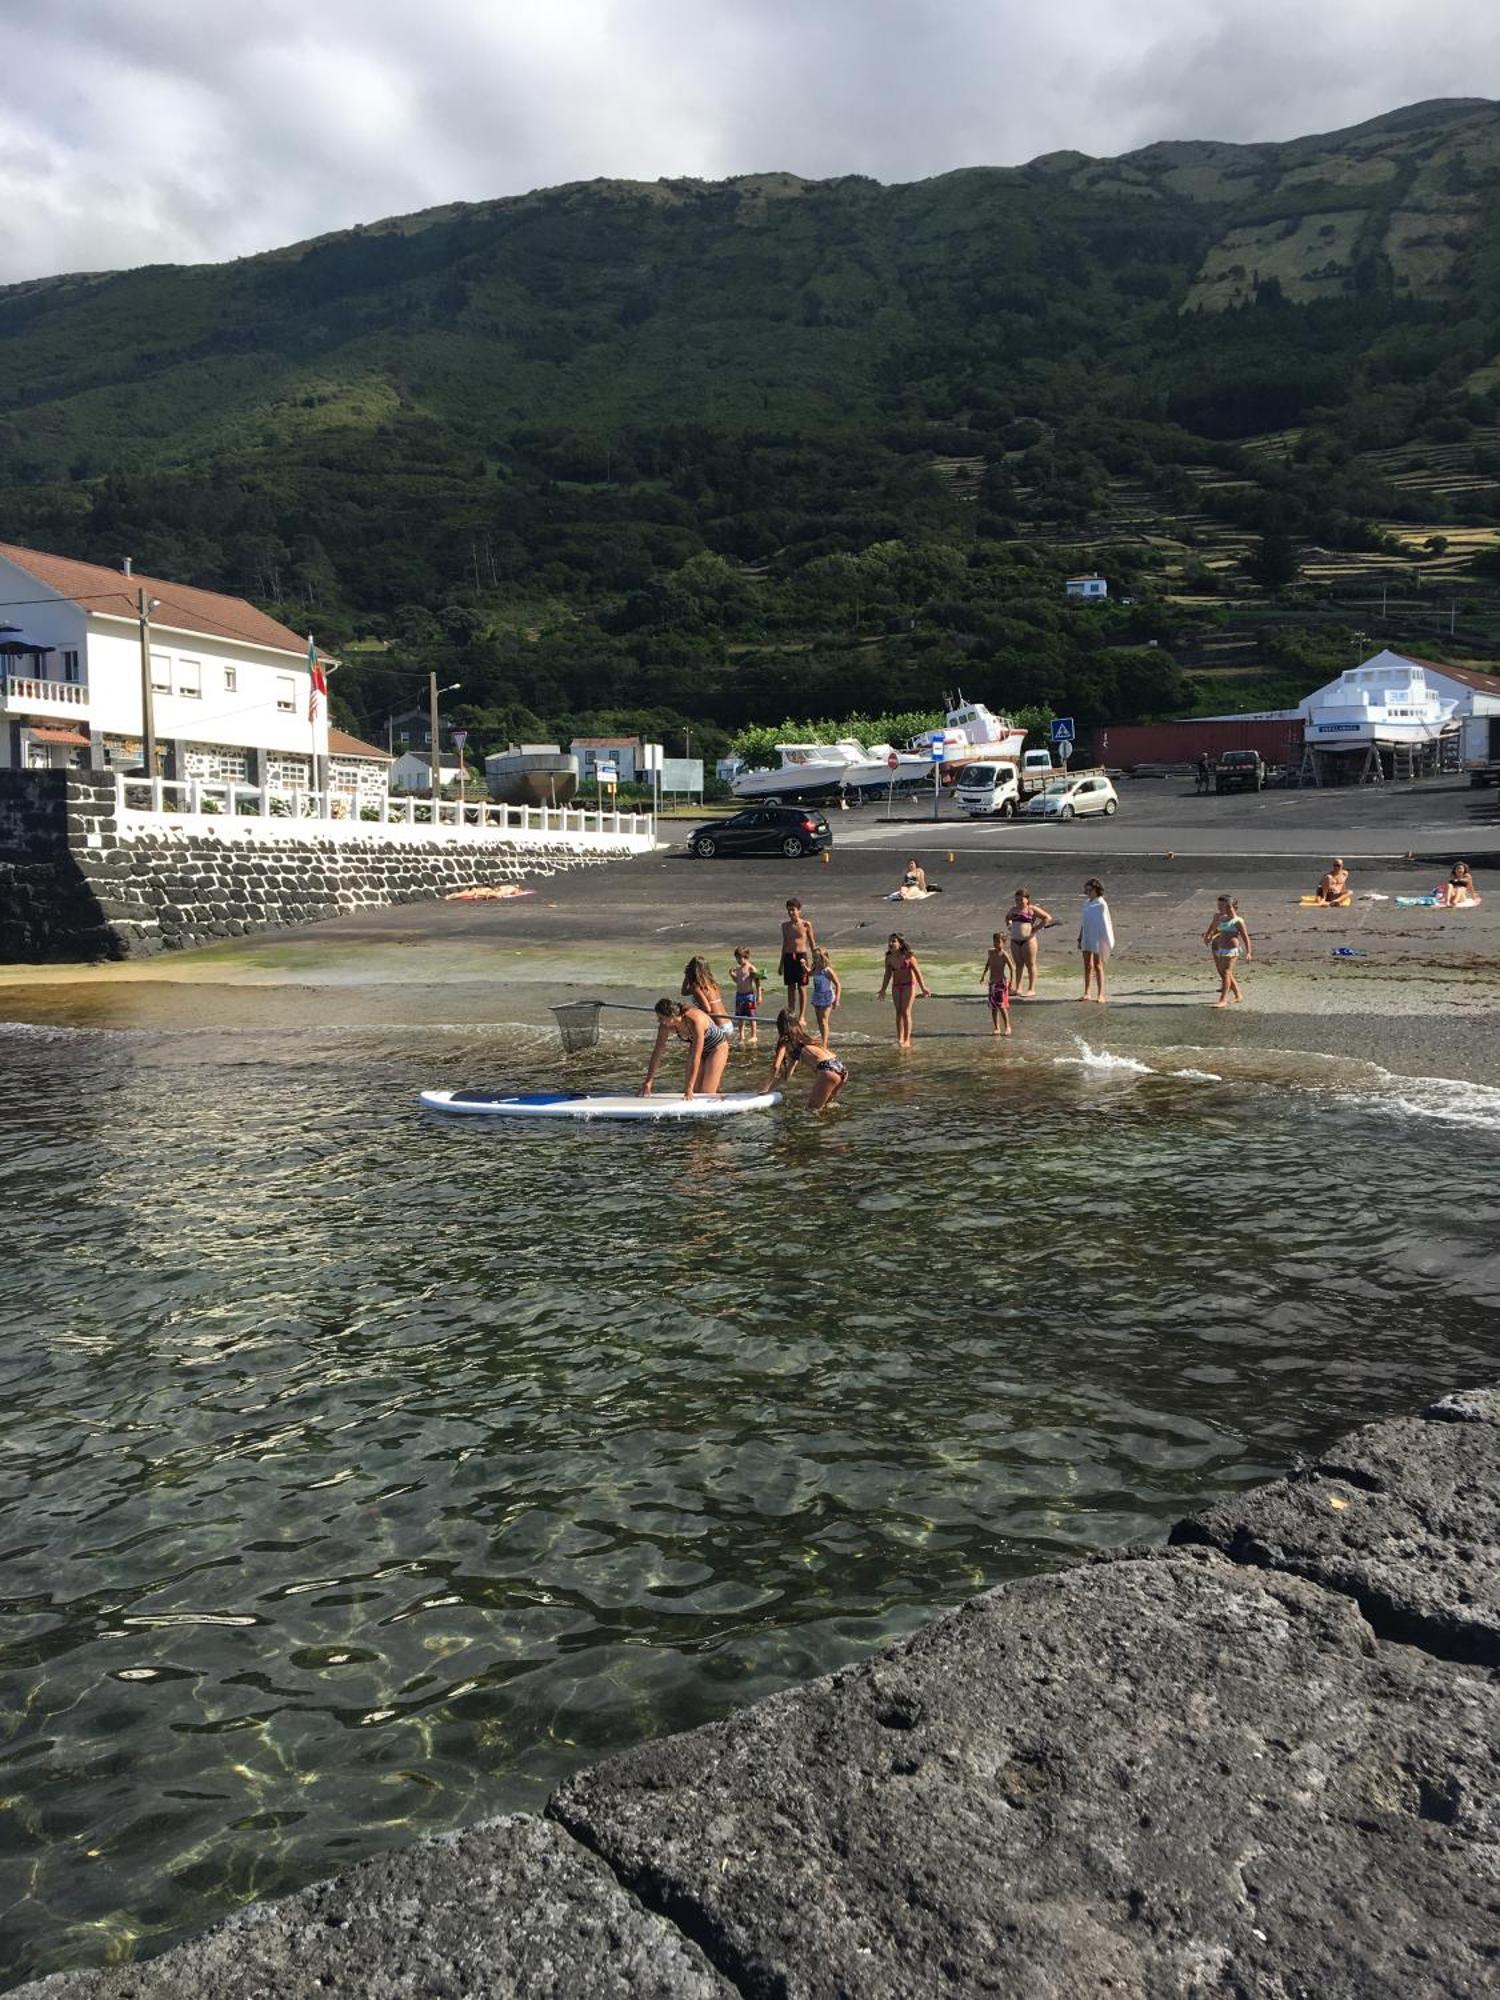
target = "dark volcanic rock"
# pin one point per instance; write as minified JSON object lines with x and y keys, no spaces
{"x":512,"y":1908}
{"x":1170,"y":1776}
{"x":1401,"y":1516}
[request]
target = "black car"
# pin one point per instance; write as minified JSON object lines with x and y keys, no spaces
{"x":786,"y":830}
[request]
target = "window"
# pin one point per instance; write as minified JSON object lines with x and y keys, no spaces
{"x":161,"y":673}
{"x":231,"y":680}
{"x":286,"y":694}
{"x":190,"y":679}
{"x":287,"y":774}
{"x":70,"y":667}
{"x":221,"y":762}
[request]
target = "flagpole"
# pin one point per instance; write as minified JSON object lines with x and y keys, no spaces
{"x":319,"y":762}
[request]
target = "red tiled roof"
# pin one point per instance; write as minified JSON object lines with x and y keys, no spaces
{"x":1474,"y":677}
{"x":181,"y":608}
{"x":39,"y":734}
{"x":342,"y":744}
{"x":605,"y":743}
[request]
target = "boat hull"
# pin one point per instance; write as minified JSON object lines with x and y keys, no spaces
{"x":532,"y":778}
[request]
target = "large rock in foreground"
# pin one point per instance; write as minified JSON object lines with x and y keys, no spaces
{"x":1167,"y":1776}
{"x":1262,"y":1762}
{"x":510,"y":1907}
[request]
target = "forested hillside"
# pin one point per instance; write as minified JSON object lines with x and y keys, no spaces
{"x":725,"y":452}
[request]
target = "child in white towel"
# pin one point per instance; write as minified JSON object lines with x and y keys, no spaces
{"x":1096,"y":937}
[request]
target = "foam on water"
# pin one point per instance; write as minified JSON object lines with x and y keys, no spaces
{"x":1103,"y":1059}
{"x":1445,"y":1100}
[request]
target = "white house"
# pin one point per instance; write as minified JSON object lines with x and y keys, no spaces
{"x":1089,"y":587}
{"x":412,"y":771}
{"x":231,"y":687}
{"x":626,"y":753}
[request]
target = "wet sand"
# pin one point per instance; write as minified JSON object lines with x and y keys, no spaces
{"x":1422,"y":999}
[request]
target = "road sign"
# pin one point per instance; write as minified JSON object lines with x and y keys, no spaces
{"x":607,"y":774}
{"x":458,"y":738}
{"x":1064,"y":729}
{"x":938,"y":747}
{"x":893,"y":762}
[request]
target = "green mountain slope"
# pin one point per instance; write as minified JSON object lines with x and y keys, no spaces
{"x":505,"y":429}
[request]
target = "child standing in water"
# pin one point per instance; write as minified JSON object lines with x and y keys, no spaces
{"x":1227,"y":937}
{"x":1096,"y":936}
{"x":903,"y":976}
{"x":826,"y":990}
{"x":999,"y":977}
{"x":748,"y":981}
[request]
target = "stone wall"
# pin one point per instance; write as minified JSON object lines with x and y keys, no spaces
{"x":1262,"y":1761}
{"x":78,"y":882}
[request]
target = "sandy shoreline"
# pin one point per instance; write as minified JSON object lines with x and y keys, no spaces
{"x":1422,"y":999}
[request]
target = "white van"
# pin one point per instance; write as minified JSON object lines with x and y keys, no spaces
{"x":997,"y":791}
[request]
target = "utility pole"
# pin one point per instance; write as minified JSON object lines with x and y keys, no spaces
{"x":437,"y":755}
{"x":144,"y":607}
{"x":433,"y":691}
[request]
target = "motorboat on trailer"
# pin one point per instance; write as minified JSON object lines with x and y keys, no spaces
{"x":1386,"y":702}
{"x":810,"y":773}
{"x":813,"y":773}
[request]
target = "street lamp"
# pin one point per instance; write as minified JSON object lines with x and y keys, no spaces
{"x":433,"y":691}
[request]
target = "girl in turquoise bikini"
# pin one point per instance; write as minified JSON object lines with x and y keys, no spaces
{"x":1227,"y":938}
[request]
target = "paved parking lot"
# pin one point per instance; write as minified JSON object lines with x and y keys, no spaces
{"x":1161,"y":815}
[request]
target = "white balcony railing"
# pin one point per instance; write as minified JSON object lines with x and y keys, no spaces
{"x":49,"y":697}
{"x":262,"y":811}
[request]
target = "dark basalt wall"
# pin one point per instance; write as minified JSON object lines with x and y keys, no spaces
{"x":74,"y":885}
{"x":1261,"y":1761}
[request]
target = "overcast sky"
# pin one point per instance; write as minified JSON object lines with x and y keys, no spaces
{"x":140,"y":131}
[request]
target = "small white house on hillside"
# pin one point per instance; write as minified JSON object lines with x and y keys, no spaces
{"x":231,"y":687}
{"x":1088,"y":587}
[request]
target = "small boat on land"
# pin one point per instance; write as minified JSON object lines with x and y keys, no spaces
{"x":818,"y":773}
{"x":536,"y":774}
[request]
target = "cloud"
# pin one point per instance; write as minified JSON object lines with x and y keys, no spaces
{"x":167,"y":130}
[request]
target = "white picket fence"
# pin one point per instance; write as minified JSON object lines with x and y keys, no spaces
{"x":259,"y":812}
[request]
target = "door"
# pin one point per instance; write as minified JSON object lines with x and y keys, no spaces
{"x":738,"y":835}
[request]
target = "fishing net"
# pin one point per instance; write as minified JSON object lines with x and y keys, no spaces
{"x":578,"y":1024}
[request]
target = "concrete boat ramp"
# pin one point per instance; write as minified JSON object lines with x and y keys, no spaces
{"x":1261,"y":1761}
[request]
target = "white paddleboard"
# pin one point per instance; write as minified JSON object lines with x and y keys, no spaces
{"x":570,"y":1104}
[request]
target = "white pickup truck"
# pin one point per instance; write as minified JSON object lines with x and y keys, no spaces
{"x":999,"y":790}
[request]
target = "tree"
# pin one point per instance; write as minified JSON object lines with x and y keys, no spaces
{"x":1276,"y":561}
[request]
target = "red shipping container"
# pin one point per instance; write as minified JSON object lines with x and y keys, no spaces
{"x":1125,"y":745}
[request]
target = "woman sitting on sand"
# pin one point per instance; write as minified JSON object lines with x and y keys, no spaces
{"x":794,"y":1044}
{"x":1459,"y":888}
{"x":913,"y":884}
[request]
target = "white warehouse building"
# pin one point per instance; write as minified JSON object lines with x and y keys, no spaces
{"x":231,"y":686}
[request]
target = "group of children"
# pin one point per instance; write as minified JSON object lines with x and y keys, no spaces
{"x":703,"y":1019}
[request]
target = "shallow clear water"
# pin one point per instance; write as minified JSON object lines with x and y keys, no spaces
{"x":361,"y":1473}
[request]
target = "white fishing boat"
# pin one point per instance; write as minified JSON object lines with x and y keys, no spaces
{"x":810,"y":773}
{"x":807,"y":773}
{"x":1386,"y":702}
{"x":971,"y":731}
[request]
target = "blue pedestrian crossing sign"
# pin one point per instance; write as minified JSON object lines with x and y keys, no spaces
{"x":1064,"y":729}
